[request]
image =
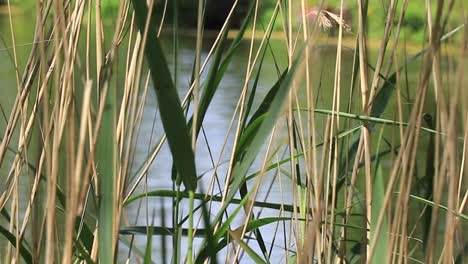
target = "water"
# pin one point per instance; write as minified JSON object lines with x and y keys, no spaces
{"x":216,"y":124}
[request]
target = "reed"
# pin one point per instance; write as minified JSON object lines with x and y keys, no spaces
{"x":354,"y":156}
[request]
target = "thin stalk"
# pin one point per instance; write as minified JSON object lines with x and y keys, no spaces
{"x":190,"y":227}
{"x":196,"y":89}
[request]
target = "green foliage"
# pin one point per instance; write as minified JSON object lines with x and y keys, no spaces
{"x":318,"y":144}
{"x":169,"y":104}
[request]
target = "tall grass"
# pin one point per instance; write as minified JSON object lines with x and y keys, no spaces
{"x":367,"y":149}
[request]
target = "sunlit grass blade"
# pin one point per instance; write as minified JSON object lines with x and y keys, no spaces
{"x":444,"y":38}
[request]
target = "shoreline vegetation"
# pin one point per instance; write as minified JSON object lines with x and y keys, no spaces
{"x":413,"y":27}
{"x":348,"y":42}
{"x":241,"y":145}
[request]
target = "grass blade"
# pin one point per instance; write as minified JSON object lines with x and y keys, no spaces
{"x":149,"y":244}
{"x":24,"y":252}
{"x":378,"y":203}
{"x":172,"y":116}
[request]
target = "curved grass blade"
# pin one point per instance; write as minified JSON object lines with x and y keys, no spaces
{"x":158,"y":231}
{"x":206,"y":198}
{"x":371,"y":119}
{"x":257,"y":78}
{"x":258,"y":119}
{"x":431,"y":203}
{"x":172,"y":116}
{"x":422,"y":52}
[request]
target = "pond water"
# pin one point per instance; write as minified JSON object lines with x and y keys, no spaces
{"x":216,"y":125}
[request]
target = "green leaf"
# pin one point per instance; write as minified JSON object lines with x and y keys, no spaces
{"x":157,"y":230}
{"x":371,"y":119}
{"x":105,"y":157}
{"x":268,"y":100}
{"x":149,"y":244}
{"x":383,"y":96}
{"x":218,"y":67}
{"x":211,"y":85}
{"x":24,"y":252}
{"x":223,"y":230}
{"x":272,"y":106}
{"x":431,"y":203}
{"x":209,"y":235}
{"x":428,"y":182}
{"x":255,"y":257}
{"x":378,"y":202}
{"x":172,"y":116}
{"x":422,"y":52}
{"x":135,"y":250}
{"x":205,"y":198}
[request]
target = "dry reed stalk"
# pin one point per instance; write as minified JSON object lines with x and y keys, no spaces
{"x":99,"y":38}
{"x":76,"y":158}
{"x":363,"y":75}
{"x":288,"y":26}
{"x":334,"y":141}
{"x":242,"y":102}
{"x":59,"y":120}
{"x":249,"y":206}
{"x":15,"y":203}
{"x":411,"y":136}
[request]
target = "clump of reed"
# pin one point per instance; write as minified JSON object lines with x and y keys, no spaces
{"x":376,"y":170}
